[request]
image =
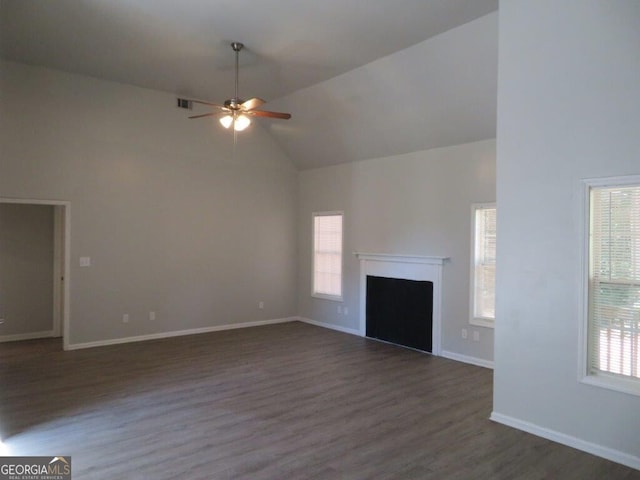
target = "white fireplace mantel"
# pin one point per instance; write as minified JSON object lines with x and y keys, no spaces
{"x":390,"y":257}
{"x":408,"y":267}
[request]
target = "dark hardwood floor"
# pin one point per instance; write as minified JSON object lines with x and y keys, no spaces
{"x":289,"y":401}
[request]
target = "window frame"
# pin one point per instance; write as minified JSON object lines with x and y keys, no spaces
{"x":325,"y":296}
{"x":610,"y":381}
{"x":473,"y":319}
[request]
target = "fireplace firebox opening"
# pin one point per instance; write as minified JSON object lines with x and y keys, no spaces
{"x":400,"y":311}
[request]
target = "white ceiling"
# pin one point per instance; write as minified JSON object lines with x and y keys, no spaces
{"x":438,"y":93}
{"x":183,"y":46}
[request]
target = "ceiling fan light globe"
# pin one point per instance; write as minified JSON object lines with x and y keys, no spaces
{"x":242,"y":122}
{"x":226,"y":121}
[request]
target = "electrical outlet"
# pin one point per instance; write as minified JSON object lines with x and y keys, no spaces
{"x":125,"y":318}
{"x":260,"y":305}
{"x":339,"y":308}
{"x":464,"y":333}
{"x":345,"y":311}
{"x":152,"y":315}
{"x":476,"y":335}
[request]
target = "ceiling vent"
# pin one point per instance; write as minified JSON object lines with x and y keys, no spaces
{"x":185,"y":104}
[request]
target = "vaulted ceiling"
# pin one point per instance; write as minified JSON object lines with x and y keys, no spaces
{"x":362,"y":78}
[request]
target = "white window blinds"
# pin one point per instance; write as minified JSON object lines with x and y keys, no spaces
{"x":614,"y":281}
{"x":484,"y":262}
{"x":327,"y":254}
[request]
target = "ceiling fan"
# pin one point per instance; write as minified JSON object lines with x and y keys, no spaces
{"x":236,"y":112}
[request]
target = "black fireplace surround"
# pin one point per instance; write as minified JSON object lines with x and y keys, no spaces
{"x":400,"y":311}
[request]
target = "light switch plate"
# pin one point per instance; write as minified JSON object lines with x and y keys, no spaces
{"x":85,"y":261}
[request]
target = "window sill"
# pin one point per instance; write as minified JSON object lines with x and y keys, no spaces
{"x":612,"y":382}
{"x":482,"y":322}
{"x":333,"y":298}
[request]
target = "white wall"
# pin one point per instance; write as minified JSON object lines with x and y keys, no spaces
{"x":172,"y":221}
{"x":26,"y":269}
{"x":568,"y":109}
{"x":418,"y":203}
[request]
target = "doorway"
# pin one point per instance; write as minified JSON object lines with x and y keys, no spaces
{"x":34,"y":253}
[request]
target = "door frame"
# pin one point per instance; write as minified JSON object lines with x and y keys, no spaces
{"x":61,"y":264}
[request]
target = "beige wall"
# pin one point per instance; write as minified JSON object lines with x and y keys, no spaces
{"x":173,"y":219}
{"x":568,"y":109}
{"x":26,"y":269}
{"x":414,"y":204}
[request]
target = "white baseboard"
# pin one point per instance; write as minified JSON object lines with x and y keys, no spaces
{"x":25,"y":336}
{"x":177,"y":333}
{"x":331,"y":326}
{"x":480,"y":362}
{"x":574,"y":442}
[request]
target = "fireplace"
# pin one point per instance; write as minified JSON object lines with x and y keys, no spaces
{"x":400,"y":311}
{"x":425,"y":280}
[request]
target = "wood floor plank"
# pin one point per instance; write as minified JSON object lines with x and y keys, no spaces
{"x":289,"y":401}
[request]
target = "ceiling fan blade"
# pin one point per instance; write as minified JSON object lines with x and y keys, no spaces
{"x":265,"y":113}
{"x":205,"y":103}
{"x":210,"y":114}
{"x":252,"y":103}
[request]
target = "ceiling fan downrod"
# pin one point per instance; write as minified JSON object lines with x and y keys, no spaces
{"x":237,"y":46}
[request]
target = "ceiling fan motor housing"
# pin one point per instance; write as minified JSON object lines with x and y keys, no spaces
{"x":233,"y":103}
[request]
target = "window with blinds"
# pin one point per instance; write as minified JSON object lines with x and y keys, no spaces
{"x":483,"y":267}
{"x":614,"y":281}
{"x":327,"y":255}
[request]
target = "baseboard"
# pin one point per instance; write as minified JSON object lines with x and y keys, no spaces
{"x":178,"y":333}
{"x":25,"y":336}
{"x":480,"y":362}
{"x":574,"y":442}
{"x":330,"y":326}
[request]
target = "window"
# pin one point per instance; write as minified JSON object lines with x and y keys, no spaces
{"x":327,"y":255}
{"x":613,"y":298}
{"x":483,"y":264}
